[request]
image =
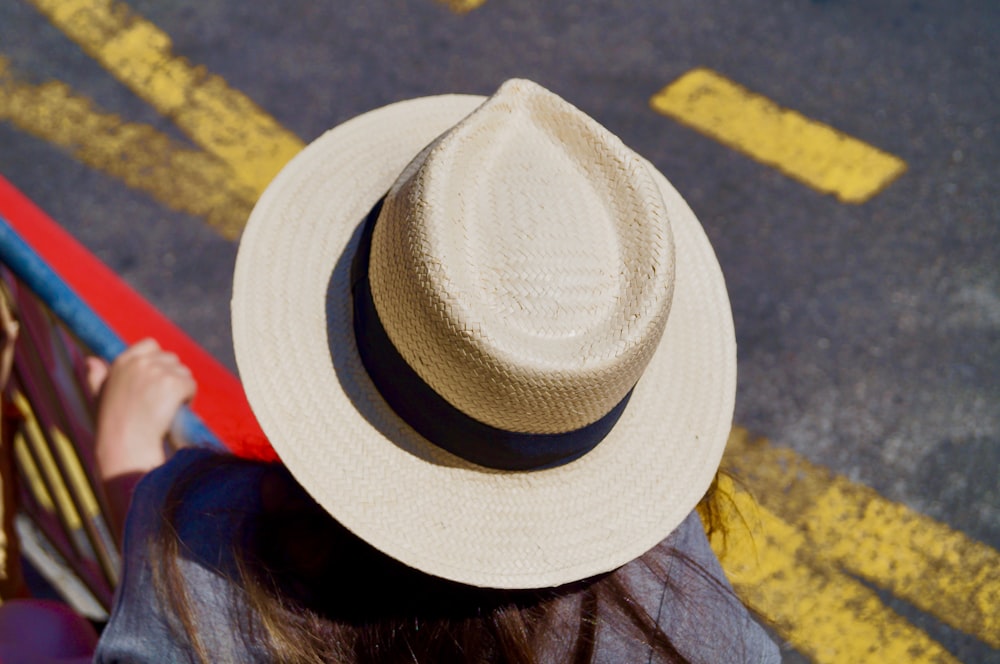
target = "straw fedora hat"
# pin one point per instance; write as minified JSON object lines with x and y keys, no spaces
{"x":487,"y":337}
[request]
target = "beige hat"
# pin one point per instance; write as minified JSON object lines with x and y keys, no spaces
{"x":487,"y":337}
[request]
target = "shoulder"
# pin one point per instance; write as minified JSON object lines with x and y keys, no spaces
{"x":682,"y":586}
{"x":206,"y":473}
{"x":204,"y":496}
{"x":195,"y":489}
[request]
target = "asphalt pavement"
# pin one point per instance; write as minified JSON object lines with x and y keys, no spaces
{"x":869,"y":334}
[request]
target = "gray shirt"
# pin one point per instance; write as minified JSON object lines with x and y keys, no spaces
{"x":704,"y":620}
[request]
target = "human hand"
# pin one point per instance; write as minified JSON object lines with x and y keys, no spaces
{"x":139,"y":395}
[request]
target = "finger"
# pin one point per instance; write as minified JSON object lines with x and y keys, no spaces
{"x":189,"y":386}
{"x":183,"y":383}
{"x":170,"y":365}
{"x":168,"y":359}
{"x":97,"y":373}
{"x":139,"y":349}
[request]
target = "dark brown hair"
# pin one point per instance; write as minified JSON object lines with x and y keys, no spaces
{"x":313,"y":592}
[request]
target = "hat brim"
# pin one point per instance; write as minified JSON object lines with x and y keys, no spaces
{"x":294,"y":343}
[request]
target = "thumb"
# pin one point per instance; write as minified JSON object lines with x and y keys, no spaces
{"x":97,"y":373}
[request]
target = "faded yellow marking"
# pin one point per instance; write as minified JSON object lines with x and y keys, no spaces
{"x":825,"y":615}
{"x":47,"y":462}
{"x":462,"y":6}
{"x":809,"y":151}
{"x":223,"y":121}
{"x":75,"y":474}
{"x":182,"y":178}
{"x":937,"y":569}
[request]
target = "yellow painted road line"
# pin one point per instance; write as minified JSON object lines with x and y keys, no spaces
{"x":223,"y":121}
{"x":182,"y":178}
{"x":824,"y":614}
{"x":462,"y":6}
{"x":809,"y":151}
{"x":935,"y":568}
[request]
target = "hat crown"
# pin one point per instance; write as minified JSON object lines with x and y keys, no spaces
{"x":523,"y":264}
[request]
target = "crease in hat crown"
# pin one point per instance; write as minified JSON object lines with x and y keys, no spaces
{"x":523,"y":264}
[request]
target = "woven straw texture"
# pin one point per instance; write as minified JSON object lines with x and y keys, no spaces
{"x":621,"y":271}
{"x":543,"y":247}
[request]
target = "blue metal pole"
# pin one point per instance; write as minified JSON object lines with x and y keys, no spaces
{"x":77,"y":315}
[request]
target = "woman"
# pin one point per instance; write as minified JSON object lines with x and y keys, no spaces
{"x":493,"y":349}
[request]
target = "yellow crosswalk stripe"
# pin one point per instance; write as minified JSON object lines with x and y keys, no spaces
{"x":223,"y":121}
{"x":182,"y":178}
{"x":462,"y":6}
{"x":852,"y":527}
{"x":809,"y":151}
{"x":821,"y":612}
